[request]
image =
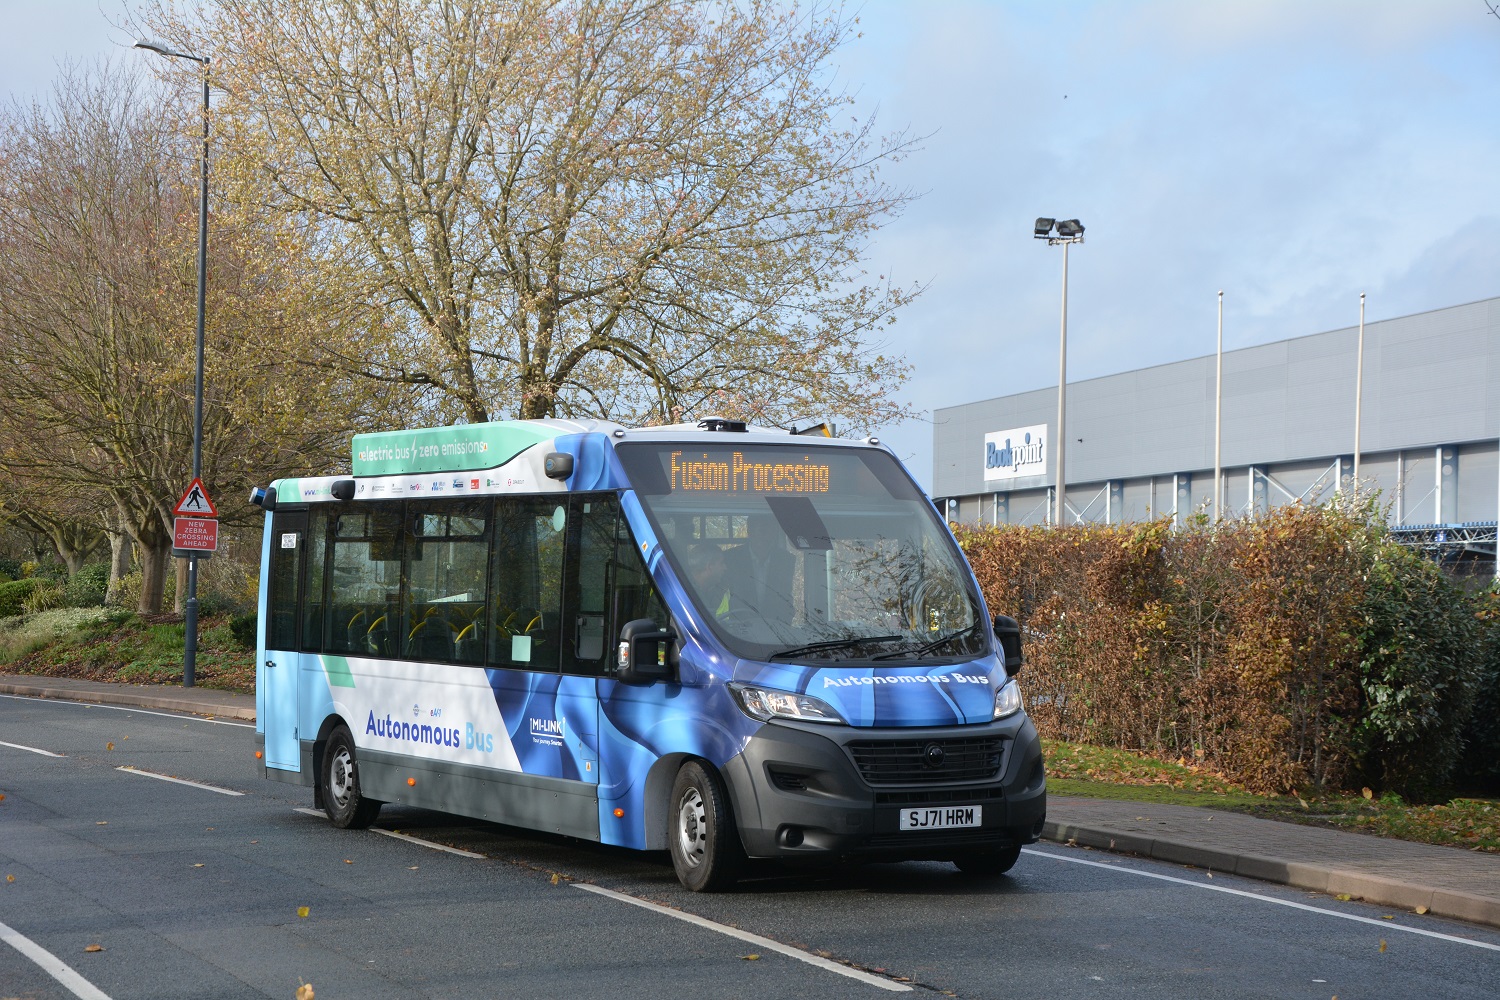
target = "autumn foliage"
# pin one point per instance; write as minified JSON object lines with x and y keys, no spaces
{"x":1299,"y":648}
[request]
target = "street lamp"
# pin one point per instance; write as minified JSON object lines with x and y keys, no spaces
{"x":190,"y":606}
{"x":1067,"y":233}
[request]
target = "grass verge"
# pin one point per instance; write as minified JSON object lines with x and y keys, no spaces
{"x":119,"y":646}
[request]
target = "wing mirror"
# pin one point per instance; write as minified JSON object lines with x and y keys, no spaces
{"x":1008,"y":633}
{"x":646,"y":653}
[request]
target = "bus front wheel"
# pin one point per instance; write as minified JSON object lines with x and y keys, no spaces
{"x":705,"y":846}
{"x":346,"y":807}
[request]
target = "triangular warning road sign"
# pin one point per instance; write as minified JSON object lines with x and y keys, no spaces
{"x":195,"y":502}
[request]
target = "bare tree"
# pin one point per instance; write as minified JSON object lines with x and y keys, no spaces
{"x":98,"y":231}
{"x":576,"y":207}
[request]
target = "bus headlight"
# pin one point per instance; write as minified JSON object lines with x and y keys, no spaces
{"x":766,"y":704}
{"x":1008,"y":700}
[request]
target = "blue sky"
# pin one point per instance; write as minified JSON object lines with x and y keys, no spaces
{"x":1293,"y":154}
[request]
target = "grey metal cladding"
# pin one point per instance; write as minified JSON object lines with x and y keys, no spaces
{"x":1431,"y":378}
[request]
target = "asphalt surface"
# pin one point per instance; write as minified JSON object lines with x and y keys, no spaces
{"x":194,"y":893}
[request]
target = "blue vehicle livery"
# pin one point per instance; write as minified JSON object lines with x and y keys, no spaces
{"x":722,"y":641}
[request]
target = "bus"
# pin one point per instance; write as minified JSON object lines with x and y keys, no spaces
{"x":722,"y":641}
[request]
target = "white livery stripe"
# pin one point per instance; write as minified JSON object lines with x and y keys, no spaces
{"x":177,"y":781}
{"x":767,"y":944}
{"x":51,"y":965}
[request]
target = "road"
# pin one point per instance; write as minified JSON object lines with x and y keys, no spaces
{"x":190,"y":892}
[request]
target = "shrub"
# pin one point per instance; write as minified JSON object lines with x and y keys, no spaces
{"x":88,"y":586}
{"x":1419,"y":673}
{"x":242,"y":627}
{"x":1480,"y":765}
{"x":46,"y":596}
{"x":14,"y":594}
{"x":10,"y":569}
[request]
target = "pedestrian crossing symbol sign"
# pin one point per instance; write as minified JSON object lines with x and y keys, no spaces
{"x":195,"y":502}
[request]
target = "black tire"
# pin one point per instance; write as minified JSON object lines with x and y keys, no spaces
{"x":705,"y":846}
{"x":989,"y":864}
{"x":346,"y":806}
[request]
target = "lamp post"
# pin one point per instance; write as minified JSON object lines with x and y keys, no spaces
{"x":1219,"y":416}
{"x":1067,"y":232}
{"x":1359,"y":389}
{"x":190,"y":606}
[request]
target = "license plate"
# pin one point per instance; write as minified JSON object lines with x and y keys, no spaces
{"x":942,"y":818}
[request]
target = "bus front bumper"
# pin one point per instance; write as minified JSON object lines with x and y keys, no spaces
{"x":798,"y":791}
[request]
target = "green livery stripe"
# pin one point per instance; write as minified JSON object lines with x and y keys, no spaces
{"x":337,"y":669}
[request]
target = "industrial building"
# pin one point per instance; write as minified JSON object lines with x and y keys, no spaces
{"x":1140,"y":444}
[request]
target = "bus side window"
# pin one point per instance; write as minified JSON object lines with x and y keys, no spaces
{"x":288,"y":540}
{"x":312,"y":591}
{"x":526,"y":582}
{"x":447,"y":545}
{"x":364,"y":582}
{"x":635,"y":596}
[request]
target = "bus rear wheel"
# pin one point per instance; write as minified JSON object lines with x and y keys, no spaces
{"x":346,"y":806}
{"x":705,"y":846}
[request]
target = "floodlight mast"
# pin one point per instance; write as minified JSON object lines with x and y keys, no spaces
{"x":1069,"y":231}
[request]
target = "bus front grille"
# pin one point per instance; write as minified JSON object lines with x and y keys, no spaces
{"x":924,"y":761}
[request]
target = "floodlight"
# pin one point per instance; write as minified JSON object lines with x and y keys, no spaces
{"x":1069,"y":229}
{"x":1044,"y":226}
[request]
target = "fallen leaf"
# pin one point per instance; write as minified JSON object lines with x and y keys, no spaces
{"x":1382,"y":946}
{"x":348,"y":862}
{"x":750,"y":958}
{"x":412,"y":868}
{"x":303,"y":911}
{"x":554,"y":878}
{"x":305,"y":992}
{"x":1387,"y":916}
{"x":1210,"y":874}
{"x":1343,"y":897}
{"x":1421,"y":910}
{"x":1367,"y":793}
{"x":199,"y":865}
{"x":254,"y":841}
{"x":93,"y":948}
{"x":109,"y":746}
{"x":10,"y":878}
{"x":101,"y":822}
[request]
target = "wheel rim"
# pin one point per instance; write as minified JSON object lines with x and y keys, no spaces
{"x":341,"y":777}
{"x":692,"y":828}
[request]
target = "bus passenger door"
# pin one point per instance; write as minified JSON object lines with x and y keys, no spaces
{"x":288,"y":543}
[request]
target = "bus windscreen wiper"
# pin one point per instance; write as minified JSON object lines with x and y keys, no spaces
{"x":926,"y":647}
{"x":817,"y":647}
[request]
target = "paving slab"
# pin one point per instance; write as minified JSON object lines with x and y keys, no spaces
{"x":1449,"y":881}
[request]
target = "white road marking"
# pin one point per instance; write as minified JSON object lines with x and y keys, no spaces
{"x":755,"y":939}
{"x":402,"y":836}
{"x":51,"y":965}
{"x":177,"y":781}
{"x":187,"y":716}
{"x":18,"y":746}
{"x":1382,"y":924}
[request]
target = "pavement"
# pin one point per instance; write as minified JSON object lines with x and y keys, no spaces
{"x":1447,"y":881}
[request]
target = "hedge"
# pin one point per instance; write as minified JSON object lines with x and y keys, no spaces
{"x":1299,"y":648}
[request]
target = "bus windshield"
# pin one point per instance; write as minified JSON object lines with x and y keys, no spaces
{"x":809,"y":553}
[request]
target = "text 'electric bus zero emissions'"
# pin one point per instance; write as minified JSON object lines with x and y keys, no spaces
{"x":724,"y":642}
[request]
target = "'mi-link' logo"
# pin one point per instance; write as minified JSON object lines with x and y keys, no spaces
{"x":547,"y":731}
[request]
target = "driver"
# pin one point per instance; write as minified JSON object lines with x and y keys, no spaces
{"x":710,"y":575}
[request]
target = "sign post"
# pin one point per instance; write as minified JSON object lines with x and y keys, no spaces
{"x":195,"y":535}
